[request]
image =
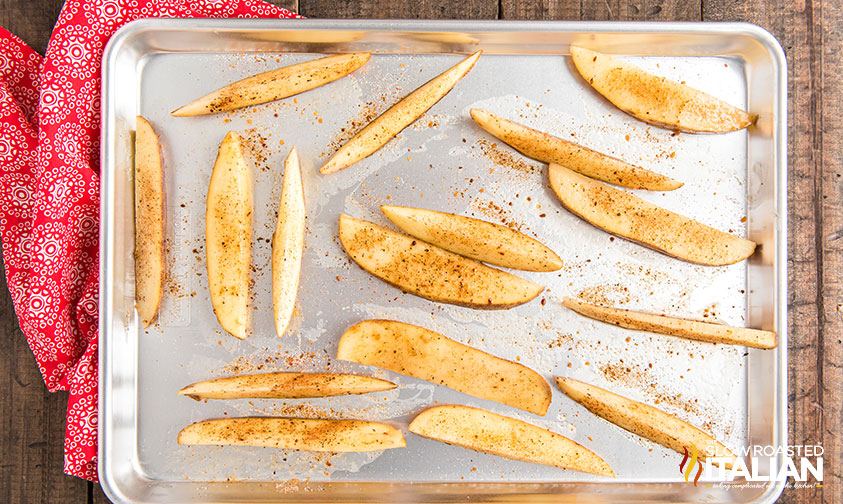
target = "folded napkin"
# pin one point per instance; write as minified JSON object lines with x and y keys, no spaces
{"x":49,"y":192}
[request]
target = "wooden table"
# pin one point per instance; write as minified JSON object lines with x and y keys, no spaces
{"x":810,"y":32}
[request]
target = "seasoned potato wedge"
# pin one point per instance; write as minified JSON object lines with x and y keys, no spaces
{"x":474,"y":238}
{"x":288,"y":244}
{"x":380,"y":131}
{"x":228,"y":236}
{"x":672,"y":326}
{"x":275,"y":84}
{"x":308,"y":434}
{"x":551,"y":149}
{"x":284,"y":385}
{"x":424,"y":354}
{"x":488,"y":432}
{"x":657,"y":100}
{"x":643,"y":420}
{"x":149,"y":223}
{"x":428,"y":271}
{"x":631,"y":217}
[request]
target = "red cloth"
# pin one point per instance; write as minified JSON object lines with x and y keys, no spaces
{"x":49,"y":192}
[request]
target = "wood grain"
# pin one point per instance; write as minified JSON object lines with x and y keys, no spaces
{"x":810,"y":35}
{"x":400,"y":9}
{"x":31,"y":21}
{"x":603,"y":10}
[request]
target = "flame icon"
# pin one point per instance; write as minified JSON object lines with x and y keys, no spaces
{"x":694,"y":460}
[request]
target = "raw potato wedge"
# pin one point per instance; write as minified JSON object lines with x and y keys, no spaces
{"x":550,"y":149}
{"x":228,"y":236}
{"x":507,"y":437}
{"x":149,"y":223}
{"x":644,"y":420}
{"x":308,"y":434}
{"x":275,"y":84}
{"x":657,"y":100}
{"x":672,"y":326}
{"x":427,"y":355}
{"x":631,"y":217}
{"x":285,"y":386}
{"x":378,"y":132}
{"x":288,"y":244}
{"x":429,"y":271}
{"x":474,"y":238}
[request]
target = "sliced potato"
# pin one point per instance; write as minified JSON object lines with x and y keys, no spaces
{"x":474,"y":238}
{"x":428,"y":271}
{"x":488,"y":432}
{"x":657,"y":100}
{"x":285,"y":386}
{"x":308,"y":434}
{"x":149,"y":223}
{"x":288,"y":244}
{"x":631,"y":217}
{"x":378,"y":132}
{"x":551,"y":149}
{"x":643,"y":420}
{"x":275,"y":84}
{"x":228,"y":236}
{"x":672,"y":326}
{"x":424,"y":354}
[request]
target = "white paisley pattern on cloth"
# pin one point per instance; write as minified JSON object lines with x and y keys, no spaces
{"x":49,"y":192}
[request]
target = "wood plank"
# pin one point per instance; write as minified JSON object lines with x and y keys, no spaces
{"x":400,"y":9}
{"x":814,"y":199}
{"x":32,"y":422}
{"x":603,"y":10}
{"x":31,"y":21}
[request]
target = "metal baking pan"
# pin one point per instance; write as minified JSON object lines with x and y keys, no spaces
{"x":444,"y":161}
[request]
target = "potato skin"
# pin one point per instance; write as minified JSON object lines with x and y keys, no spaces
{"x":550,"y":149}
{"x":643,"y":420}
{"x":629,"y":216}
{"x":149,"y":223}
{"x":274,"y":84}
{"x":285,"y":385}
{"x":657,"y":100}
{"x":228,"y":236}
{"x":474,"y":238}
{"x":488,"y":432}
{"x":672,"y":326}
{"x":427,"y":271}
{"x":308,"y":434}
{"x":427,"y":355}
{"x":381,"y":130}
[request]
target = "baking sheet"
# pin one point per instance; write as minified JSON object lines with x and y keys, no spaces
{"x":443,"y":162}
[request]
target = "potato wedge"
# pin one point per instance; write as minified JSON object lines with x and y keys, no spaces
{"x":631,"y":217}
{"x":474,"y":238}
{"x":308,"y":434}
{"x":427,"y":355}
{"x":643,"y":420}
{"x":672,"y":326}
{"x":657,"y":100}
{"x":288,"y":244}
{"x":507,"y":437}
{"x":149,"y":223}
{"x":283,"y":385}
{"x":228,"y":236}
{"x":429,"y":271}
{"x":550,"y":149}
{"x":274,"y":84}
{"x":381,"y":130}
